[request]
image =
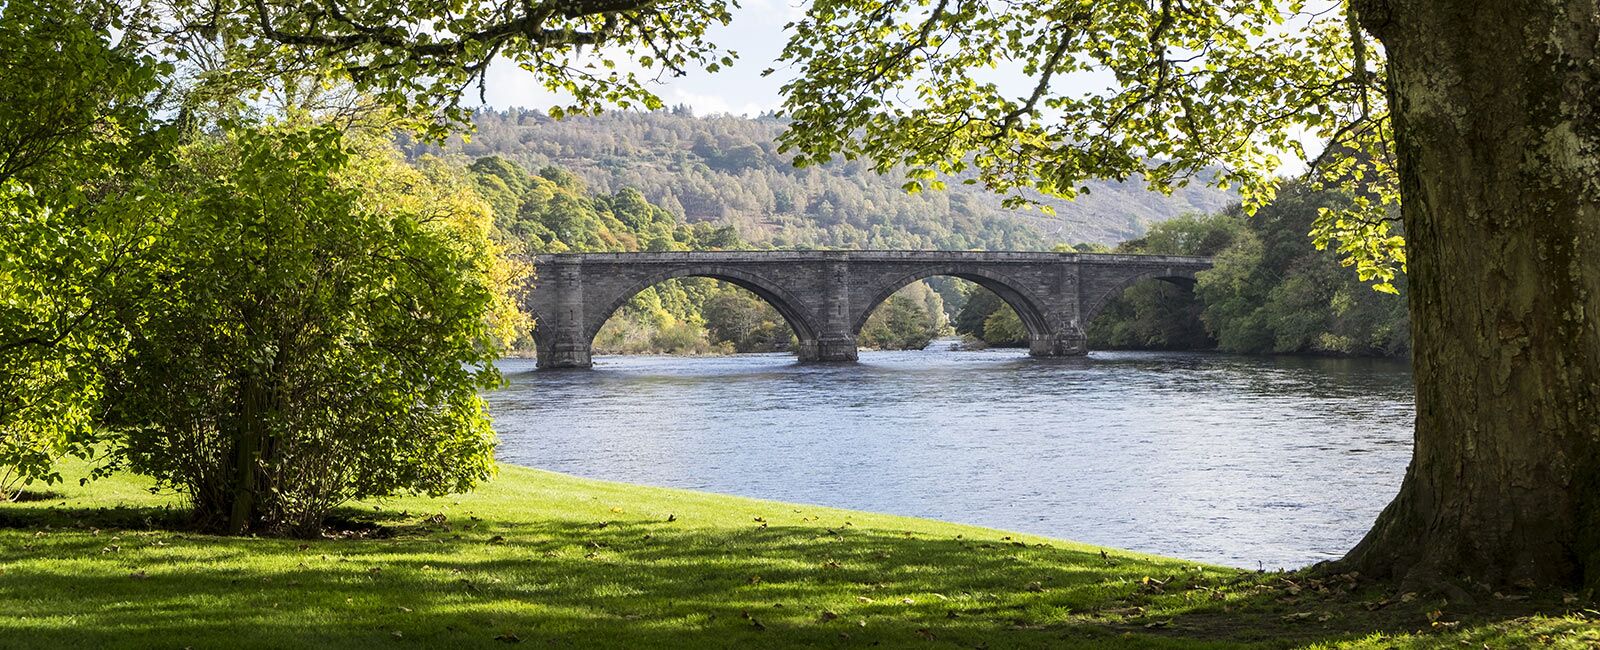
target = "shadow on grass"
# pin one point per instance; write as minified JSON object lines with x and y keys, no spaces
{"x":647,"y":583}
{"x":78,"y":518}
{"x":30,"y":496}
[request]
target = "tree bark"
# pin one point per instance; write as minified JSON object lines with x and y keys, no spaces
{"x":249,"y":442}
{"x":1496,"y":109}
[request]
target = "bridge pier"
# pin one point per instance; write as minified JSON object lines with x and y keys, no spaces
{"x":1070,"y":343}
{"x":565,"y":355}
{"x":830,"y":350}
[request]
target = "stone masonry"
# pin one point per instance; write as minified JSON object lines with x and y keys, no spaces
{"x":826,"y":296}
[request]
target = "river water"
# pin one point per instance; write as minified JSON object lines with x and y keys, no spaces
{"x":1273,"y":462}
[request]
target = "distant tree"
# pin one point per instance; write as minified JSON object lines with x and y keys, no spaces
{"x":979,"y":305}
{"x":1273,"y":291}
{"x":1004,"y":329}
{"x":747,"y":322}
{"x":908,"y":320}
{"x":1156,"y":314}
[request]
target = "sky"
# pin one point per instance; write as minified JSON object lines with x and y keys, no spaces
{"x":756,"y":33}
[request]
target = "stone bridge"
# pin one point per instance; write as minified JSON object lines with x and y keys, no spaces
{"x":827,"y":295}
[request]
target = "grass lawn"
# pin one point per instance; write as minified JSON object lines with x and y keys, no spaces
{"x":542,"y":559}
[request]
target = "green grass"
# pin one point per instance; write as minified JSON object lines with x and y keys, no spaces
{"x":543,"y":559}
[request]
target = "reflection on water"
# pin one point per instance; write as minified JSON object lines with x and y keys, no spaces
{"x":1246,"y":461}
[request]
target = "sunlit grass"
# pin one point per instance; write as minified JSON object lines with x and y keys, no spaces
{"x":542,"y":558}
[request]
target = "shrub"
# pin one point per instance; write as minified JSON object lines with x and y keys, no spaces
{"x":317,"y":330}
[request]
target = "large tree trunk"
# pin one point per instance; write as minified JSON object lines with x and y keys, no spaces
{"x":1496,"y":108}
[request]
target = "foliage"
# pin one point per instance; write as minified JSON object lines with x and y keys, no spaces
{"x":1004,"y":328}
{"x":1212,"y":92}
{"x":746,"y":322}
{"x":317,"y":330}
{"x":422,"y":57}
{"x":1154,"y":314}
{"x":1272,"y":290}
{"x":908,"y":320}
{"x":984,"y":316}
{"x":74,"y":213}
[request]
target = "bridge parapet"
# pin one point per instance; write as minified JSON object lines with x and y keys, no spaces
{"x":826,"y":296}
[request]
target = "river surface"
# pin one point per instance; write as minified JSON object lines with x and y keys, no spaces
{"x":1273,"y":462}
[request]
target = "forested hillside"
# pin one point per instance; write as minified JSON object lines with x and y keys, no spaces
{"x":1272,"y":291}
{"x":726,"y":170}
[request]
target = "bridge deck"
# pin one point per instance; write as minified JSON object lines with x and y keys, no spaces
{"x":1032,"y":257}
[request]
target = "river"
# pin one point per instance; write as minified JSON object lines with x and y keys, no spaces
{"x":1254,"y":462}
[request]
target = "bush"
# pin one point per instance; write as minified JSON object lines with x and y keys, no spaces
{"x":318,"y":328}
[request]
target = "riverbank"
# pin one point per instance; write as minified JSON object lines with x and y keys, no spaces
{"x":551,"y":560}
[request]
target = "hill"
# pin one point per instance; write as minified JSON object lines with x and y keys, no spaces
{"x":726,"y":170}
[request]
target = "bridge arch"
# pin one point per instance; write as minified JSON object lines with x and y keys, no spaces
{"x":787,"y":305}
{"x":1008,"y":289}
{"x":826,"y":297}
{"x":1182,"y":278}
